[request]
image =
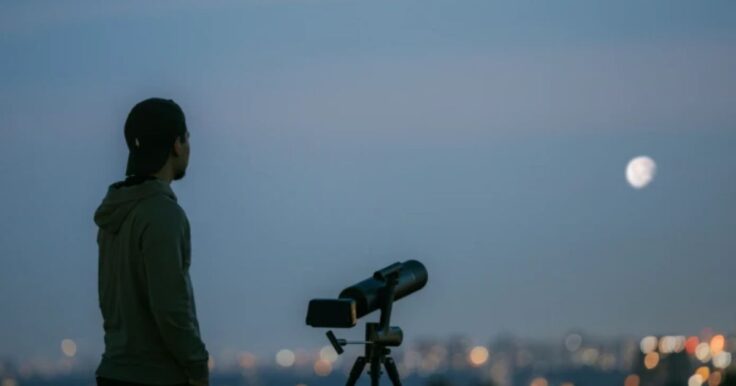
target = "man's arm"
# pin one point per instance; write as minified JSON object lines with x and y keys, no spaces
{"x":169,"y":290}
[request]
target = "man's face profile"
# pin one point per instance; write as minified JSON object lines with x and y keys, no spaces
{"x":181,"y":149}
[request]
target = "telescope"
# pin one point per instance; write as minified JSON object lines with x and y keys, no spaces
{"x":377,"y":292}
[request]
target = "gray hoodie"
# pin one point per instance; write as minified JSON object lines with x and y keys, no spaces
{"x":145,"y":294}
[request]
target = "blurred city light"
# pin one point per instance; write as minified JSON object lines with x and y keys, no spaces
{"x":702,"y":352}
{"x":691,"y":344}
{"x":695,"y":380}
{"x":69,"y":347}
{"x":716,"y":344}
{"x":722,"y":360}
{"x":715,"y":378}
{"x":703,"y":371}
{"x":285,"y":358}
{"x":247,"y":360}
{"x":648,"y":344}
{"x":327,"y":353}
{"x":690,"y":360}
{"x":322,"y":368}
{"x":631,"y":380}
{"x":651,"y":360}
{"x":573,"y":342}
{"x":478,"y":356}
{"x":540,"y":381}
{"x":589,"y":356}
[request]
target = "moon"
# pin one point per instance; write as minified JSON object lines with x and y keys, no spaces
{"x":640,"y":171}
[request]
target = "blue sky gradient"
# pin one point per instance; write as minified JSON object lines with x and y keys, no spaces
{"x":331,"y":138}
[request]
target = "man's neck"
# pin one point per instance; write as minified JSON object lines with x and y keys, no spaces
{"x":164,"y":175}
{"x":136,"y":180}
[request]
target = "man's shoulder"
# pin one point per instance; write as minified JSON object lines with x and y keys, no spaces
{"x":161,"y":208}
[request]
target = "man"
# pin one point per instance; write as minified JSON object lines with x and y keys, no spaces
{"x":150,"y":321}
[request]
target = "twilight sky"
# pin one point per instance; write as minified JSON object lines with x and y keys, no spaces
{"x":330,"y":138}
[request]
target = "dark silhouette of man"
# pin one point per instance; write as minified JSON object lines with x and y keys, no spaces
{"x":145,"y":294}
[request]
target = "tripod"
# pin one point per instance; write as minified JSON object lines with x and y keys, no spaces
{"x":378,"y":337}
{"x":377,"y":355}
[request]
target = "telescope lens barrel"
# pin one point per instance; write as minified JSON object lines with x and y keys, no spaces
{"x":366,"y":294}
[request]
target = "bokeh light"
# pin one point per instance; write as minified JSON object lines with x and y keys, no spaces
{"x":573,"y":342}
{"x":539,"y":381}
{"x":715,"y":378}
{"x":703,"y":371}
{"x":69,"y":347}
{"x":671,"y":344}
{"x":648,"y":344}
{"x":589,"y":356}
{"x":666,"y":345}
{"x":631,"y":380}
{"x":327,"y":353}
{"x":702,"y":352}
{"x":691,"y":343}
{"x":722,"y":360}
{"x":651,"y":360}
{"x":247,"y":360}
{"x":285,"y":358}
{"x":695,"y":380}
{"x":716,"y":344}
{"x":322,"y":368}
{"x":478,"y":356}
{"x":680,"y":343}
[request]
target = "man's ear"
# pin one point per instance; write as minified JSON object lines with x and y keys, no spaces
{"x":176,"y":150}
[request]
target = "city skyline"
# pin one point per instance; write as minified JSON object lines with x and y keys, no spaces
{"x":577,"y":359}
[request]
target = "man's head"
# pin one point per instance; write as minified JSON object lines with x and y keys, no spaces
{"x":157,"y":138}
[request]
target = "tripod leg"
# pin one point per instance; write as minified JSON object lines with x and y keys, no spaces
{"x":393,"y":373}
{"x":355,"y":372}
{"x":375,"y":372}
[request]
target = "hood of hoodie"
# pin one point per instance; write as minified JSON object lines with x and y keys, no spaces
{"x":122,"y":198}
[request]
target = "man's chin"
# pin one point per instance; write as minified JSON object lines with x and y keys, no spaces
{"x":180,"y":175}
